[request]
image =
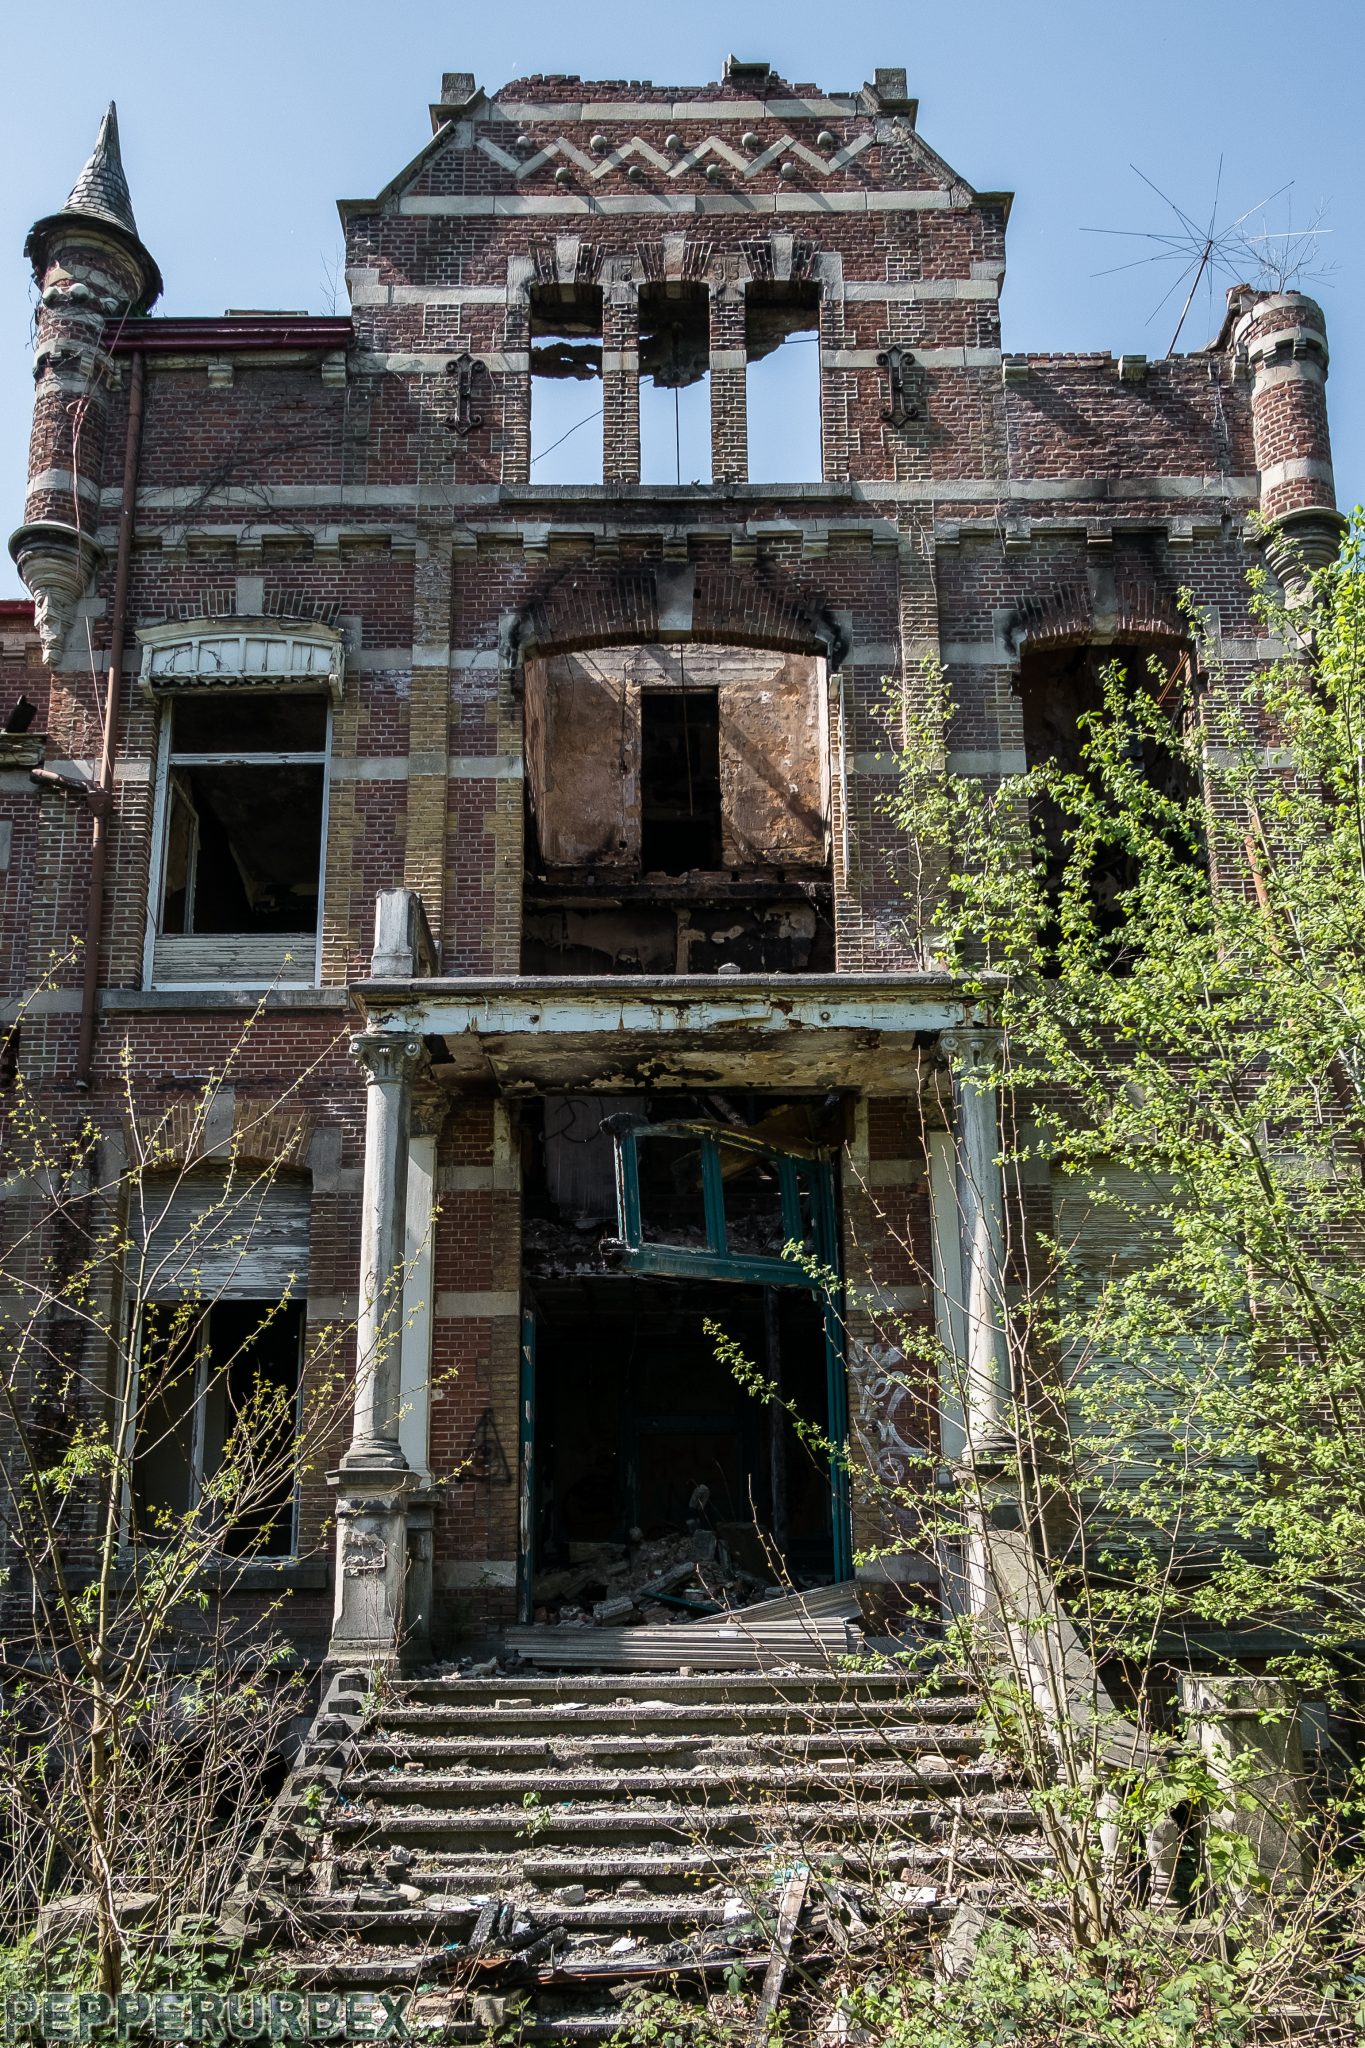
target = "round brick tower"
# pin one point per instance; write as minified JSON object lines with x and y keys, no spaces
{"x":1285,"y":339}
{"x":92,"y":271}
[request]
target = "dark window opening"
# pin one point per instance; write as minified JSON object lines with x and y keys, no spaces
{"x":680,"y":823}
{"x":1060,"y":688}
{"x":782,"y":383}
{"x":218,"y":1392}
{"x":571,"y":1198}
{"x":675,"y":384}
{"x":245,"y":795}
{"x":566,"y":385}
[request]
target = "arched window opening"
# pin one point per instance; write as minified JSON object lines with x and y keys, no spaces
{"x":677,"y":812}
{"x":1060,"y":689}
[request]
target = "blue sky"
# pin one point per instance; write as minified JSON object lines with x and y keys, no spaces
{"x":243,"y":126}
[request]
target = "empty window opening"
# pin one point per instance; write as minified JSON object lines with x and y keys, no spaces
{"x":221,"y":1264}
{"x":216,"y":1423}
{"x":675,"y":384}
{"x":1060,"y":688}
{"x":566,"y":385}
{"x":677,"y":812}
{"x":680,"y":822}
{"x":782,"y":383}
{"x":244,"y":799}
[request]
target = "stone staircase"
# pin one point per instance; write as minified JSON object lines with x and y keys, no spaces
{"x":522,"y":1851}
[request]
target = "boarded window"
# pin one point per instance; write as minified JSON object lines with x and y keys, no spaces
{"x":1146,"y":1368}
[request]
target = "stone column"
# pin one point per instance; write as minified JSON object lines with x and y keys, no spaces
{"x":973,"y":1058}
{"x":369,"y":1621}
{"x":972,"y":1053}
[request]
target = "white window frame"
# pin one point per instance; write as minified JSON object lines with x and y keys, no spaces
{"x":166,"y":760}
{"x":235,"y":656}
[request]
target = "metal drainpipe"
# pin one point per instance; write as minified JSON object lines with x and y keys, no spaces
{"x":102,"y":796}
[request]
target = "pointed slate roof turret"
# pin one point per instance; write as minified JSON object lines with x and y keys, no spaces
{"x":101,"y":191}
{"x":100,"y":194}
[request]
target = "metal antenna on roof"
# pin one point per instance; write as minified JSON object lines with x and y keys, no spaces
{"x":1230,"y":252}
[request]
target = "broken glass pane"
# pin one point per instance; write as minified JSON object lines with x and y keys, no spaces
{"x":672,"y":1209}
{"x":754,"y":1225}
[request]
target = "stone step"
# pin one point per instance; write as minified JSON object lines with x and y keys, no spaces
{"x":709,"y":1782}
{"x":592,"y":1748}
{"x":448,"y":1923}
{"x":493,"y":1873}
{"x":512,"y":1717}
{"x":799,"y":1827}
{"x":697,"y":1688}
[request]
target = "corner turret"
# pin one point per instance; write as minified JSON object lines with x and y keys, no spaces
{"x":92,"y":271}
{"x":1283,"y":339}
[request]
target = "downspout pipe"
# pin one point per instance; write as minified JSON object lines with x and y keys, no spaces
{"x":102,"y":796}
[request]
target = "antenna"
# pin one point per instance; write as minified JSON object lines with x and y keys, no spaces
{"x":1207,"y":251}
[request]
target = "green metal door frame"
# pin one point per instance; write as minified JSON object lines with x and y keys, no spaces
{"x":717,"y":1262}
{"x":526,"y":1463}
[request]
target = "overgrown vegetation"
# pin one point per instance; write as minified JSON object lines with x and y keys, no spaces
{"x":141,"y":1725}
{"x":1177,"y":1011}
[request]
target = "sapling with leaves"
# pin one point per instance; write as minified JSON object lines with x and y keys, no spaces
{"x":163,"y":1408}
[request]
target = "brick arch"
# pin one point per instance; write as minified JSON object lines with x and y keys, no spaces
{"x":586,"y":606}
{"x":1067,"y":615}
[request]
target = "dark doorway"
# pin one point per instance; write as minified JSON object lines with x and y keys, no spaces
{"x":642,"y":1434}
{"x":680,"y":822}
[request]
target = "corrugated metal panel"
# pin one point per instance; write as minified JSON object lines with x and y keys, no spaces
{"x":247,"y":1241}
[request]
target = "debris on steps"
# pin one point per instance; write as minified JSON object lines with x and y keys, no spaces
{"x":541,"y":1849}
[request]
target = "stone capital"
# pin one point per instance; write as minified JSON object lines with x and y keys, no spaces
{"x":387,"y":1057}
{"x":973,"y":1049}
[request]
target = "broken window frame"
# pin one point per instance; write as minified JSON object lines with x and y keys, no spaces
{"x":718,"y":1262}
{"x":644,"y":1255}
{"x":168,"y":760}
{"x":201,"y":1338}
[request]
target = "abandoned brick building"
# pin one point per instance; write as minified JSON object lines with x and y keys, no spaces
{"x":544,"y":819}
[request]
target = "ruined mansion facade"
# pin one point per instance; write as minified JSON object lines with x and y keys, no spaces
{"x":544,"y":819}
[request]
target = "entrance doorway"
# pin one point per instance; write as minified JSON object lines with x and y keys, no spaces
{"x":682,"y":1396}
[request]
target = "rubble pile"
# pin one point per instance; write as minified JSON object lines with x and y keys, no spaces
{"x":664,"y":1579}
